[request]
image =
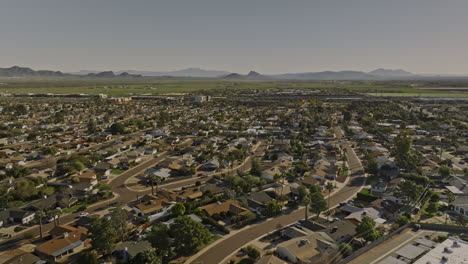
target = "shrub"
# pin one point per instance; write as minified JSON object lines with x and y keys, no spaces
{"x":29,"y":235}
{"x":19,"y":228}
{"x":366,"y":196}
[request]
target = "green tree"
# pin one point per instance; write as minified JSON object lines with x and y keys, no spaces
{"x":318,"y":203}
{"x":103,"y":235}
{"x":155,"y":180}
{"x":329,"y":187}
{"x":117,"y":129}
{"x":306,"y":202}
{"x":78,"y":165}
{"x":252,"y":252}
{"x":272,"y":208}
{"x":17,"y":172}
{"x":119,"y":223}
{"x":461,"y":220}
{"x":88,"y":257}
{"x":345,"y":249}
{"x":444,"y":171}
{"x":188,"y":235}
{"x":432,"y":208}
{"x":92,"y":126}
{"x":366,"y":229}
{"x":178,"y":209}
{"x":256,"y":169}
{"x":24,"y":190}
{"x":149,"y":256}
{"x":160,"y":240}
{"x":402,"y":220}
{"x":40,"y":215}
{"x":408,"y":191}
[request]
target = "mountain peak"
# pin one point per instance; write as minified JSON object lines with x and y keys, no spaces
{"x":253,"y":74}
{"x":390,"y":72}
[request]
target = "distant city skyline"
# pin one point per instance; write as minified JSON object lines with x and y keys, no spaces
{"x":267,"y":36}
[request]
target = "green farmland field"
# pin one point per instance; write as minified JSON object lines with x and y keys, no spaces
{"x":167,"y":85}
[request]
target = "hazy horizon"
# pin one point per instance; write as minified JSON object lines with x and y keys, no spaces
{"x":268,"y":36}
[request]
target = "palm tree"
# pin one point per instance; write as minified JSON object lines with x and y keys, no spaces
{"x":306,"y":202}
{"x":329,"y":187}
{"x":461,"y":220}
{"x":154,"y":180}
{"x":40,"y":214}
{"x":58,"y":213}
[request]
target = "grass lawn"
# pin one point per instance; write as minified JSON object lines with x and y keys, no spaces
{"x":117,"y":171}
{"x":74,"y":208}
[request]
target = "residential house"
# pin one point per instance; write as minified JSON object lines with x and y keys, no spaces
{"x":25,"y":258}
{"x":15,"y":216}
{"x":460,"y":205}
{"x":62,"y":245}
{"x":314,"y":248}
{"x":151,"y":207}
{"x":257,"y":200}
{"x":270,"y":259}
{"x":129,"y":249}
{"x":230,"y":206}
{"x":88,"y":177}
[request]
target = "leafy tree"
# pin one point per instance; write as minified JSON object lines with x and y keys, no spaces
{"x":178,"y":209}
{"x":117,"y":129}
{"x":371,"y":166}
{"x":345,"y":249}
{"x":92,"y":126}
{"x":148,"y":256}
{"x":256,"y":169}
{"x":329,"y":187}
{"x":103,"y":235}
{"x":79,"y":166}
{"x":17,"y":172}
{"x":444,"y":171}
{"x":119,"y":220}
{"x":402,"y":220}
{"x":366,"y":229}
{"x":305,"y":202}
{"x":272,"y":208}
{"x":24,"y":190}
{"x":404,"y":157}
{"x":318,"y":203}
{"x":89,"y":257}
{"x":188,"y":235}
{"x":409,"y":191}
{"x":432,"y":208}
{"x":461,"y":220}
{"x":160,"y":239}
{"x":252,"y":252}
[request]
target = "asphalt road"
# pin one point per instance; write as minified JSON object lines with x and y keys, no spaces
{"x":216,"y":253}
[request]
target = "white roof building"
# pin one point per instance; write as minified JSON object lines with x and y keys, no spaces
{"x":451,"y":251}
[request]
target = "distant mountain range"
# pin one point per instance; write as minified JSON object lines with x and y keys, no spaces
{"x":189,"y":72}
{"x":17,"y":71}
{"x":378,"y":74}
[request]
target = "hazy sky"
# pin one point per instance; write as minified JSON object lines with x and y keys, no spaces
{"x":269,"y":36}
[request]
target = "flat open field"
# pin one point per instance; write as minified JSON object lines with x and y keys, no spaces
{"x":168,"y":85}
{"x":423,"y":94}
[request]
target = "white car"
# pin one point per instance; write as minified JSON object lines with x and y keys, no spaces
{"x":52,"y":218}
{"x":83,"y":214}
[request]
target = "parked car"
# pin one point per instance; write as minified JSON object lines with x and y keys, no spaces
{"x":83,"y":214}
{"x":52,"y":218}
